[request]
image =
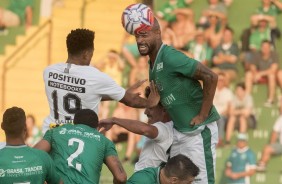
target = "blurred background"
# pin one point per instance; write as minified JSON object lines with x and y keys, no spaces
{"x":207,"y":30}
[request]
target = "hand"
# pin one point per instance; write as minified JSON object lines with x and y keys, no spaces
{"x":197,"y":120}
{"x":105,"y":125}
{"x":154,"y":96}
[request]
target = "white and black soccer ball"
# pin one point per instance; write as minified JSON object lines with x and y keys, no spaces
{"x":137,"y":17}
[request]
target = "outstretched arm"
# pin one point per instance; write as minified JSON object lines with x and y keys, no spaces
{"x":209,"y":79}
{"x":134,"y":126}
{"x":133,"y":99}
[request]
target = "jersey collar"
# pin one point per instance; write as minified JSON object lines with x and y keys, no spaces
{"x":19,"y":146}
{"x":157,"y":56}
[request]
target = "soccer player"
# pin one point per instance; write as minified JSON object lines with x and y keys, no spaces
{"x":79,"y":150}
{"x":18,"y":162}
{"x":179,"y":169}
{"x":159,"y":132}
{"x":188,"y":104}
{"x":75,"y":85}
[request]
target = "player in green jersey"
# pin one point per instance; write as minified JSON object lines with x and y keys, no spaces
{"x":178,"y":170}
{"x":189,"y":105}
{"x":79,"y":150}
{"x":18,"y":162}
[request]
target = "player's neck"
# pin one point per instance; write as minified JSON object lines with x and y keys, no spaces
{"x":154,"y":53}
{"x":76,"y":61}
{"x":162,"y":177}
{"x":14,"y":141}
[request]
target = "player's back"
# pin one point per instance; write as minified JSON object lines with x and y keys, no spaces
{"x":22,"y":164}
{"x":79,"y":152}
{"x":70,"y":88}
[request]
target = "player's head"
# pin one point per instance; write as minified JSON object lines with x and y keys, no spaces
{"x":13,"y":123}
{"x":87,"y":117}
{"x":157,"y":113}
{"x":148,"y":40}
{"x":180,"y":169}
{"x":80,"y":45}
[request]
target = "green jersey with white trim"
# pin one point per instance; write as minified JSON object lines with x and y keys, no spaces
{"x":145,"y":176}
{"x":79,"y":152}
{"x":25,"y":165}
{"x":181,"y":95}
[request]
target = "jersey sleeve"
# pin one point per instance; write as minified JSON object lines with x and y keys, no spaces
{"x":108,"y":87}
{"x":229,"y":160}
{"x":52,"y":176}
{"x":163,"y":131}
{"x":110,"y":149}
{"x":48,"y":136}
{"x":180,"y":63}
{"x":252,"y":159}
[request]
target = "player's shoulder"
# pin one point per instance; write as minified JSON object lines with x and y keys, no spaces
{"x":55,"y":66}
{"x":40,"y":154}
{"x":168,"y":125}
{"x":170,"y":55}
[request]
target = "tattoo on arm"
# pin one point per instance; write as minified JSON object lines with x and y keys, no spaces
{"x":209,"y":79}
{"x":119,"y":165}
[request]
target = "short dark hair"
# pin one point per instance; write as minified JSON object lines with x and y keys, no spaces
{"x":181,"y":167}
{"x":14,"y":122}
{"x":87,"y":117}
{"x":241,"y":85}
{"x":79,"y":40}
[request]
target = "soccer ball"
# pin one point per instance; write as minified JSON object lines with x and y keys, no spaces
{"x":137,"y":17}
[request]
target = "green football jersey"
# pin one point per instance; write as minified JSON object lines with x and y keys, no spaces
{"x":25,"y":165}
{"x":79,"y":152}
{"x":148,"y":175}
{"x":181,"y":95}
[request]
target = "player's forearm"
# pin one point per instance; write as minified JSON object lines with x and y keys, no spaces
{"x":247,"y":173}
{"x":136,"y":127}
{"x":209,"y":79}
{"x":209,"y":86}
{"x":134,"y":100}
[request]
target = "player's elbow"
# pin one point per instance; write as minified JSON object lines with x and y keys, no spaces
{"x":120,"y":178}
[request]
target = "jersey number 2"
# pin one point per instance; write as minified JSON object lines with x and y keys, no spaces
{"x":78,"y":151}
{"x":66,"y":101}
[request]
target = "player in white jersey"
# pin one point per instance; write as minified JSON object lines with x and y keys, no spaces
{"x":75,"y":85}
{"x":159,"y":132}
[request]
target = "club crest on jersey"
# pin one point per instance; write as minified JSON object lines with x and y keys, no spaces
{"x":160,"y":66}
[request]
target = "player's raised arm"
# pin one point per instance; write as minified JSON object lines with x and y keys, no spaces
{"x":209,"y":79}
{"x":134,"y":126}
{"x":133,"y":99}
{"x":116,"y":169}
